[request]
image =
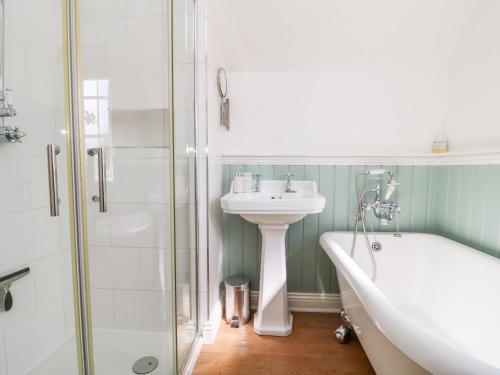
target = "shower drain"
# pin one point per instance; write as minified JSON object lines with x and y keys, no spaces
{"x":145,"y":365}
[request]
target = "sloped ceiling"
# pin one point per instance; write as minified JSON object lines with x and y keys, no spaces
{"x":337,"y":34}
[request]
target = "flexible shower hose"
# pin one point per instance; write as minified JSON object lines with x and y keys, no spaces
{"x":357,"y":217}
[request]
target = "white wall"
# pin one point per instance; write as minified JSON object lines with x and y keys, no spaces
{"x":329,"y":77}
{"x":473,"y":117}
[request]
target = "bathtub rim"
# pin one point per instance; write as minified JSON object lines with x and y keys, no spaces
{"x":423,"y":348}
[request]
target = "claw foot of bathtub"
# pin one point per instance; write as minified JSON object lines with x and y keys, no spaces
{"x":343,"y":334}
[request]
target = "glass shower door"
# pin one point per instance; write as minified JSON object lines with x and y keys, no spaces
{"x":37,"y":329}
{"x":185,"y":214}
{"x":126,"y":120}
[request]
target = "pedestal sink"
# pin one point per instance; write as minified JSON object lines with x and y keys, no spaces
{"x":273,"y":210}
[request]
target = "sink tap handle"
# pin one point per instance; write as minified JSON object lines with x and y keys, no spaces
{"x":289,"y":188}
{"x":258,"y":177}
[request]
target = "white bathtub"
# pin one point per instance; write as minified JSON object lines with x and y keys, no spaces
{"x":434,"y":308}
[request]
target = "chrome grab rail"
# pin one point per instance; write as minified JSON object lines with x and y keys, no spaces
{"x":52,"y":152}
{"x":101,"y":171}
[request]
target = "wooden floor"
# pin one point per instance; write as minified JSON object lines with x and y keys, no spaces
{"x":310,"y":349}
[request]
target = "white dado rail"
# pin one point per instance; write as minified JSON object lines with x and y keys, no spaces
{"x":450,"y":158}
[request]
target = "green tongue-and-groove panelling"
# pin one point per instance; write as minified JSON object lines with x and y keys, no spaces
{"x":458,"y":202}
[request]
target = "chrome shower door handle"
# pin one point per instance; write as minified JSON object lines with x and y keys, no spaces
{"x":101,"y":172}
{"x":52,"y":152}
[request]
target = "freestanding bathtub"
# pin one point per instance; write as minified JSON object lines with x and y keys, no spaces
{"x":434,"y":307}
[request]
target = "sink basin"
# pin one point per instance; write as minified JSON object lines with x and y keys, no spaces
{"x":272,"y":205}
{"x":273,"y":210}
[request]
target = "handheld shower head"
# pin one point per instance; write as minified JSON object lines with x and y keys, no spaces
{"x":391,"y":187}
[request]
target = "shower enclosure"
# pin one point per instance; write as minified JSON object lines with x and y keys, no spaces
{"x":98,"y":259}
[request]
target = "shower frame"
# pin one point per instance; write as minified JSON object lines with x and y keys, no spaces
{"x":77,"y":189}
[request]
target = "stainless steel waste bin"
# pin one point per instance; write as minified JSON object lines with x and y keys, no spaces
{"x":237,"y":300}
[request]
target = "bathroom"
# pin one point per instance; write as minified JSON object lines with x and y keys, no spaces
{"x":249,"y":187}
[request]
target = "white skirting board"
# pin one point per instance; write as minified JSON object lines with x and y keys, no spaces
{"x":193,"y":356}
{"x":306,"y":302}
{"x":211,"y":327}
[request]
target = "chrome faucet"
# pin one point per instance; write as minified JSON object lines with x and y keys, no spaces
{"x":383,"y":209}
{"x":9,"y":133}
{"x":258,"y":181}
{"x":289,"y":188}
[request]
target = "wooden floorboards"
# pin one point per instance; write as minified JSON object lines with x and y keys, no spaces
{"x":310,"y":349}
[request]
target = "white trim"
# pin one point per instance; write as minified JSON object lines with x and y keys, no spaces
{"x":451,"y":158}
{"x":306,"y":302}
{"x":193,"y":356}
{"x":211,"y":327}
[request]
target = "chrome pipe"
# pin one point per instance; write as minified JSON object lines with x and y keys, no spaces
{"x":52,"y":152}
{"x":101,"y":172}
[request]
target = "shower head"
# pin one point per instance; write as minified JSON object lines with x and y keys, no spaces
{"x":391,"y":187}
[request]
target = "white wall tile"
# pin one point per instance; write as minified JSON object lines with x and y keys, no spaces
{"x":121,"y":87}
{"x":184,"y":134}
{"x":15,"y":67}
{"x":43,"y":75}
{"x":183,"y":39}
{"x":154,"y":181}
{"x":201,"y":7}
{"x":93,"y":54}
{"x":114,"y":267}
{"x":92,"y":31}
{"x":140,"y":225}
{"x":3,"y":360}
{"x":51,"y":278}
{"x":185,"y":219}
{"x":136,"y":40}
{"x":44,"y":232}
{"x":99,"y":226}
{"x":36,"y":23}
{"x":69,"y":314}
{"x":92,"y":9}
{"x":35,"y":337}
{"x":182,"y":7}
{"x":102,"y":308}
{"x":201,"y":87}
{"x":141,"y":128}
{"x":184,"y":75}
{"x":19,"y":248}
{"x":16,"y":186}
{"x":123,"y":186}
{"x":151,"y":86}
{"x":148,"y":7}
{"x":151,"y":131}
{"x":142,"y":310}
{"x":201,"y":35}
{"x":36,"y":119}
{"x":156,"y":269}
{"x":38,"y":181}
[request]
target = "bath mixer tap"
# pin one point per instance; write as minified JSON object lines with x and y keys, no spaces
{"x":289,"y":188}
{"x":383,"y":209}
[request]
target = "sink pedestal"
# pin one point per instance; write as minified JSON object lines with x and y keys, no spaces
{"x":272,"y":317}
